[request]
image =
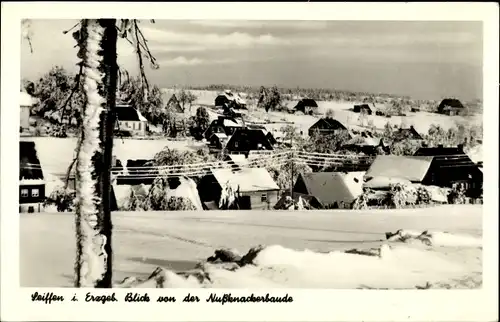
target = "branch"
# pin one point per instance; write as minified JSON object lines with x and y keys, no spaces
{"x":66,"y":31}
{"x":75,"y":88}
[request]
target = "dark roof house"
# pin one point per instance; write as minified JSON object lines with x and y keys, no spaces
{"x":223,"y":124}
{"x":29,"y":164}
{"x":452,"y":165}
{"x":31,"y":180}
{"x":228,"y":100}
{"x":245,"y":140}
{"x":450,"y":106}
{"x":365,"y":108}
{"x":331,"y":189}
{"x":326,"y":126}
{"x":306,"y":106}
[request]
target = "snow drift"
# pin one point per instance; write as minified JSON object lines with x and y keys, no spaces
{"x":407,"y":260}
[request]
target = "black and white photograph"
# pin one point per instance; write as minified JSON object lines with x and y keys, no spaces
{"x":250,"y":154}
{"x":307,"y":154}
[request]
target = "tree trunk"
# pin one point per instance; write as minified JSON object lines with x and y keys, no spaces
{"x":106,"y":135}
{"x":93,"y":222}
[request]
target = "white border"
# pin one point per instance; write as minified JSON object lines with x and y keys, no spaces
{"x":318,"y":305}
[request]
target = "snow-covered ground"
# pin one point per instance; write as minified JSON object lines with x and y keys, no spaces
{"x":143,"y":241}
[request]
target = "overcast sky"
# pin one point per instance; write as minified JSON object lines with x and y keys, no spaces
{"x":420,"y":59}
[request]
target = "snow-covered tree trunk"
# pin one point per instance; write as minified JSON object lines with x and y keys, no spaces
{"x":93,"y":222}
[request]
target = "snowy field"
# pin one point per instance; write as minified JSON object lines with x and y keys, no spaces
{"x":143,"y":241}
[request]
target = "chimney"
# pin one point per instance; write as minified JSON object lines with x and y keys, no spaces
{"x":440,"y":146}
{"x":461,"y":147}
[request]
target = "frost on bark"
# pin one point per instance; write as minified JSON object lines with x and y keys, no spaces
{"x":92,"y":207}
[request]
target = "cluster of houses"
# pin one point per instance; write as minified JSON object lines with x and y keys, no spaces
{"x":440,"y":167}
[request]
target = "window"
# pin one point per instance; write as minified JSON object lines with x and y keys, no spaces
{"x":139,"y":126}
{"x":35,"y":192}
{"x":24,"y":192}
{"x":263,"y":197}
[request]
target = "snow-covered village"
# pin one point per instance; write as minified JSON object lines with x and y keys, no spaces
{"x":254,"y":165}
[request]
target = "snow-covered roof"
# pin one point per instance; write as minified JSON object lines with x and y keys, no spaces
{"x":31,"y":181}
{"x":247,"y":179}
{"x":331,"y":187}
{"x":220,"y":135}
{"x":239,"y":159}
{"x":26,"y":99}
{"x":361,"y":141}
{"x":231,"y":123}
{"x":412,"y":168}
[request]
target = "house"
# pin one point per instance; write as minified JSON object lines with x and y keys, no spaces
{"x":267,"y":133}
{"x":367,"y":144}
{"x":450,"y":106}
{"x":245,"y":140}
{"x":331,"y":189}
{"x":129,"y":119}
{"x":363,"y":108}
{"x":451,"y":165}
{"x":407,"y":134}
{"x":306,"y":106}
{"x":224,"y":125}
{"x":390,"y":169}
{"x":228,"y":100}
{"x":218,"y":141}
{"x":326,"y":126}
{"x":441,"y":167}
{"x":26,"y":101}
{"x":255,"y":187}
{"x":174,"y":105}
{"x":31,"y":180}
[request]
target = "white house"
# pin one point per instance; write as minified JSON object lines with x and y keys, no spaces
{"x":26,"y":101}
{"x":131,"y":120}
